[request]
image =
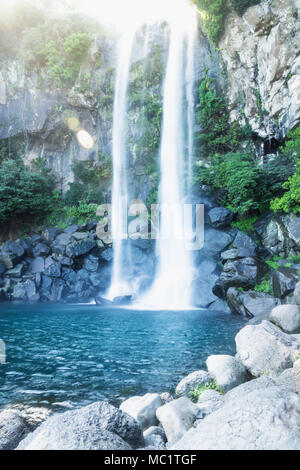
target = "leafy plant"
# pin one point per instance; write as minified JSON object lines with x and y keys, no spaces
{"x":245,"y":224}
{"x":213,"y":13}
{"x":197,"y":391}
{"x":264,"y":286}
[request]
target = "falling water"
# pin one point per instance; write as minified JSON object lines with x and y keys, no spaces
{"x":119,"y":284}
{"x":171,"y":286}
{"x":190,"y":81}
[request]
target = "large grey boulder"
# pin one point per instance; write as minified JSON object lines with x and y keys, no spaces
{"x":228,"y":371}
{"x":251,"y":303}
{"x":99,"y":426}
{"x":265,"y":418}
{"x":265,"y":349}
{"x":209,"y":401}
{"x":296,"y":376}
{"x":155,"y":437}
{"x":187,"y":384}
{"x":143,"y":409}
{"x":297,"y":293}
{"x":13,"y":428}
{"x":177,"y":417}
{"x":244,"y":244}
{"x":284,"y":281}
{"x":220,"y":217}
{"x":82,"y":247}
{"x":287,"y":317}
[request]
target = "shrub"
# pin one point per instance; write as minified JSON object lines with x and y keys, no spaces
{"x":214,"y":13}
{"x":245,"y":224}
{"x":264,"y":286}
{"x":24,"y":194}
{"x":196,"y":392}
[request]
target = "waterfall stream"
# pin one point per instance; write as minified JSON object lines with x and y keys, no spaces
{"x":171,"y":288}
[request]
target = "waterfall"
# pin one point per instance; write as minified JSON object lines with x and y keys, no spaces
{"x":119,"y":282}
{"x":190,"y":81}
{"x":171,"y":288}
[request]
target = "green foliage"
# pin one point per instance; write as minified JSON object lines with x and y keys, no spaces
{"x":264,"y":286}
{"x":273,"y":264}
{"x":213,"y":13}
{"x":57,"y":48}
{"x":290,"y":201}
{"x":241,"y":6}
{"x":197,"y":391}
{"x":245,"y":224}
{"x":83,"y":212}
{"x":217,"y":134}
{"x":24,"y":194}
{"x":237,"y":175}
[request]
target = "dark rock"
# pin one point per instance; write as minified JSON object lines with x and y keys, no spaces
{"x":11,"y":254}
{"x":35,"y":239}
{"x":220,"y":217}
{"x":203,"y":284}
{"x":57,"y":290}
{"x":72,"y":229}
{"x":37,"y":265}
{"x":216,"y":241}
{"x":26,"y":246}
{"x":53,"y":269}
{"x":245,"y":245}
{"x":51,"y":233}
{"x":251,"y":303}
{"x":86,"y":429}
{"x":3,"y":268}
{"x":17,"y":271}
{"x":284,"y":281}
{"x":101,"y":301}
{"x":60,"y":243}
{"x":13,"y":429}
{"x":107,"y":255}
{"x":246,"y":273}
{"x":230,"y":255}
{"x":63,"y":260}
{"x":83,"y":275}
{"x":91,"y":263}
{"x":25,"y":291}
{"x":41,"y":250}
{"x":80,"y":236}
{"x":80,"y":248}
{"x":122,"y":300}
{"x":96,"y":280}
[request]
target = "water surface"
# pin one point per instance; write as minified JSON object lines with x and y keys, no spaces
{"x":75,"y":355}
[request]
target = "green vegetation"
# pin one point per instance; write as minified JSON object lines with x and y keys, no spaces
{"x":197,"y":391}
{"x":290,"y":201}
{"x":25,"y":195}
{"x":241,"y":6}
{"x":264,"y":286}
{"x":245,"y":224}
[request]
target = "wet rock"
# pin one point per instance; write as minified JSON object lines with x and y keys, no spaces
{"x":51,"y":233}
{"x":251,"y":303}
{"x":60,"y":243}
{"x":216,"y":241}
{"x":228,"y":371}
{"x":284,"y":281}
{"x":80,"y":248}
{"x":287,"y":317}
{"x":220,"y":217}
{"x":245,"y":245}
{"x":3,"y":268}
{"x":189,"y":383}
{"x":41,"y":250}
{"x":99,"y":426}
{"x":13,"y":429}
{"x":265,"y":349}
{"x":37,"y":265}
{"x":91,"y":263}
{"x":107,"y":255}
{"x":17,"y":271}
{"x":53,"y":269}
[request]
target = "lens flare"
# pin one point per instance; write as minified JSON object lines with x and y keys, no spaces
{"x":85,"y":139}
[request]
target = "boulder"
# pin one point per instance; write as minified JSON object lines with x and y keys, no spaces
{"x":230,"y":255}
{"x":91,"y":263}
{"x":80,"y":248}
{"x":246,"y":273}
{"x":17,"y":271}
{"x":297,"y":293}
{"x":60,"y":243}
{"x":265,"y":418}
{"x":244,"y":244}
{"x":37,"y":265}
{"x":284,"y":281}
{"x":265,"y":349}
{"x":166,"y":397}
{"x":107,"y":255}
{"x":72,"y":229}
{"x":251,"y":303}
{"x":177,"y":417}
{"x":51,"y":233}
{"x":41,"y":250}
{"x":209,"y":401}
{"x":99,"y":426}
{"x":143,"y":409}
{"x":53,"y":269}
{"x":287,"y":317}
{"x":13,"y":429}
{"x":220,"y":217}
{"x":228,"y":371}
{"x":296,"y":376}
{"x":216,"y":241}
{"x":11,"y":254}
{"x":155,"y":437}
{"x":25,"y":291}
{"x":3,"y":267}
{"x":187,"y":384}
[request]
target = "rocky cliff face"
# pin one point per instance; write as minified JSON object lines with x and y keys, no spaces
{"x":261,"y":53}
